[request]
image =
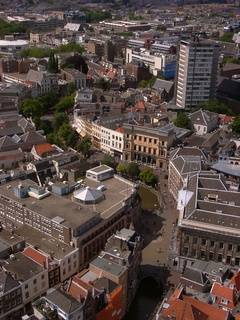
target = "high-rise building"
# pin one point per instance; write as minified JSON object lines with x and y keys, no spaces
{"x":197,"y":72}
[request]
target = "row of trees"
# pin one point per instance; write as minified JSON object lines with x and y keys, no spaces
{"x":41,"y":52}
{"x":131,"y":170}
{"x":11,"y":27}
{"x":96,"y":15}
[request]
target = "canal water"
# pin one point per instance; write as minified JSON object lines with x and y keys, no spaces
{"x":146,"y":300}
{"x":149,"y":294}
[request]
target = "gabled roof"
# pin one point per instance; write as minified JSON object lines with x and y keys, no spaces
{"x":188,"y":151}
{"x":7,"y":143}
{"x":188,"y":308}
{"x":203,"y":117}
{"x":222,"y":291}
{"x":161,"y":85}
{"x":35,"y":76}
{"x":33,"y":137}
{"x":36,"y":256}
{"x":43,"y":148}
{"x":187,"y":164}
{"x":7,"y":282}
{"x":105,"y":284}
{"x":64,"y":301}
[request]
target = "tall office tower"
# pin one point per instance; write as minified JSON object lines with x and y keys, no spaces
{"x":197,"y":72}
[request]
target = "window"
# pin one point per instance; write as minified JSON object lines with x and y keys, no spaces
{"x":211,"y":255}
{"x":35,"y":281}
{"x":27,"y":295}
{"x":219,"y":258}
{"x":212,"y":243}
{"x":42,"y":277}
{"x":204,"y":242}
{"x":26,"y":286}
{"x":186,"y":240}
{"x":228,"y":260}
{"x":221,"y":245}
{"x":195,"y":240}
{"x":230,"y":247}
{"x":145,"y":139}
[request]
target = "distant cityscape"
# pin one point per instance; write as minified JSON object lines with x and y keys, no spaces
{"x":120,"y":160}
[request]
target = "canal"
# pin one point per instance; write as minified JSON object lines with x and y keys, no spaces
{"x":146,"y":300}
{"x":149,"y":293}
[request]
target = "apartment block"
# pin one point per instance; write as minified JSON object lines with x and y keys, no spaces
{"x":197,"y":72}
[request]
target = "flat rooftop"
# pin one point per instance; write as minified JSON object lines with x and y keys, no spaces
{"x":73,"y":212}
{"x":24,"y":268}
{"x":108,"y":266}
{"x":9,"y":239}
{"x":43,"y":242}
{"x":101,"y":169}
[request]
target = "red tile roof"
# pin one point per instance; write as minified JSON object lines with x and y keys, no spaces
{"x":78,"y":289}
{"x":222,"y":291}
{"x":236,"y":280}
{"x":43,"y":148}
{"x":189,"y":308}
{"x":36,"y":256}
{"x":120,"y":129}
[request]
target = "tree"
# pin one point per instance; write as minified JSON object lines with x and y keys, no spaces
{"x":59,"y":119}
{"x":147,"y":83}
{"x":70,"y":47}
{"x":67,"y":136}
{"x":84,"y":146}
{"x":103,"y":84}
{"x":182,"y":121}
{"x":236,"y":126}
{"x":32,"y":108}
{"x":108,"y":161}
{"x":65,"y":104}
{"x":35,"y":52}
{"x":76,"y":62}
{"x":147,"y":176}
{"x":122,"y":168}
{"x":48,"y":101}
{"x":133,"y":170}
{"x":227,"y":37}
{"x":52,"y":66}
{"x":216,"y":106}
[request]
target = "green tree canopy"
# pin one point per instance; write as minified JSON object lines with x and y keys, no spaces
{"x":32,"y":108}
{"x":59,"y":119}
{"x":35,"y":52}
{"x":52,"y":66}
{"x":84,"y":146}
{"x":227,"y":37}
{"x":182,"y":121}
{"x":109,"y":161}
{"x":67,"y":136}
{"x":216,"y":106}
{"x":65,"y":104}
{"x":76,"y":62}
{"x":70,"y":47}
{"x":122,"y":168}
{"x":11,"y":27}
{"x":147,"y":176}
{"x":236,"y":125}
{"x":133,"y":170}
